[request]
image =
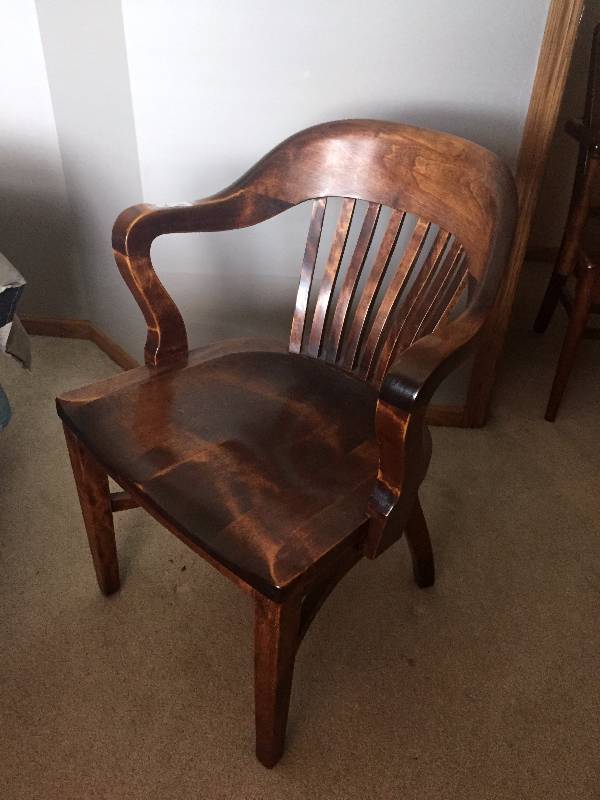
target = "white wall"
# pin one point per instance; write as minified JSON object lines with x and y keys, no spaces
{"x":216,"y":85}
{"x":35,"y":216}
{"x":84,"y":48}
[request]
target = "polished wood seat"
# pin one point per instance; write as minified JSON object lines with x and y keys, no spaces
{"x":285,"y":464}
{"x":263,"y":459}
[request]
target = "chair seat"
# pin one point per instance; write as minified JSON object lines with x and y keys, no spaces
{"x":262,"y":459}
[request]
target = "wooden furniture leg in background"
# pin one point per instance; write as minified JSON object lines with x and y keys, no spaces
{"x":94,"y":497}
{"x":585,"y":180}
{"x":548,"y":87}
{"x":577,"y":324}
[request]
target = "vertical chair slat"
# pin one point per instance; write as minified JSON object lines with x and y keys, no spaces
{"x":369,"y":293}
{"x":329,"y":277}
{"x":447,"y":277}
{"x":463,"y":284}
{"x":351,"y":280}
{"x":431,"y":264}
{"x":307,"y":272}
{"x":426,"y":297}
{"x":405,"y":268}
{"x":447,"y":300}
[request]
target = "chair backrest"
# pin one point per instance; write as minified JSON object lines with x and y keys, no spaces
{"x":435,"y":204}
{"x":424,"y":226}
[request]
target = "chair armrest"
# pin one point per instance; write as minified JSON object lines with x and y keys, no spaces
{"x":588,"y":137}
{"x":414,"y":377}
{"x":137,"y":227}
{"x":402,"y":434}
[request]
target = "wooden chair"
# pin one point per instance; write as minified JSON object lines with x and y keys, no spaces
{"x":284,"y":466}
{"x":579,"y":254}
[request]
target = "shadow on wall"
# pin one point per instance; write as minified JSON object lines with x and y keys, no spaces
{"x":36,"y":235}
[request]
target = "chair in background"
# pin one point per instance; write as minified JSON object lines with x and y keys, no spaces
{"x":579,"y":254}
{"x":281,"y":465}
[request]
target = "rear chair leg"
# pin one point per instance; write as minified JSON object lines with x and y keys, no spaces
{"x":94,"y":496}
{"x":276,"y":634}
{"x":419,"y":544}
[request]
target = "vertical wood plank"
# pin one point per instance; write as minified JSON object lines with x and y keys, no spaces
{"x":369,"y":293}
{"x":389,"y":347}
{"x":445,"y":282}
{"x":548,"y":87}
{"x":330,"y":276}
{"x":403,"y":272}
{"x":355,"y":268}
{"x":306,"y":273}
{"x":448,"y":295}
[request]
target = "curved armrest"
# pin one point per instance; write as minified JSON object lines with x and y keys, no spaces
{"x":588,"y":137}
{"x":414,"y":377}
{"x":402,"y":435}
{"x":137,"y":227}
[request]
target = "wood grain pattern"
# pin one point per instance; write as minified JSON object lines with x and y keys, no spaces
{"x":548,"y":87}
{"x":306,"y":273}
{"x":384,"y":312}
{"x":441,"y":293}
{"x":92,"y":486}
{"x":410,"y":310}
{"x":331,"y":272}
{"x":283,"y":467}
{"x":369,"y":293}
{"x":351,"y":280}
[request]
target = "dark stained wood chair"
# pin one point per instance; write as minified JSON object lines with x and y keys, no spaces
{"x":579,"y":254}
{"x":281,"y":465}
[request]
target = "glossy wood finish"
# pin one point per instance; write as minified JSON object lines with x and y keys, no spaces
{"x":285,"y":465}
{"x":268,"y":441}
{"x":92,"y":486}
{"x":276,"y":631}
{"x":579,"y":253}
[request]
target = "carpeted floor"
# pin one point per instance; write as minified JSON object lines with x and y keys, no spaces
{"x":486,"y":686}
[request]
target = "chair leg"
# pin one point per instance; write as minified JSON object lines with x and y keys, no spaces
{"x":419,"y":544}
{"x":277,"y":629}
{"x":549,"y":302}
{"x":94,"y":496}
{"x":577,"y":323}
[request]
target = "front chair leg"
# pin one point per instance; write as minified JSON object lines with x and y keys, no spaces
{"x":94,"y":497}
{"x":277,"y":627}
{"x":419,"y":544}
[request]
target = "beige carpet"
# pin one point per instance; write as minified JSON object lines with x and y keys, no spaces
{"x":486,"y":686}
